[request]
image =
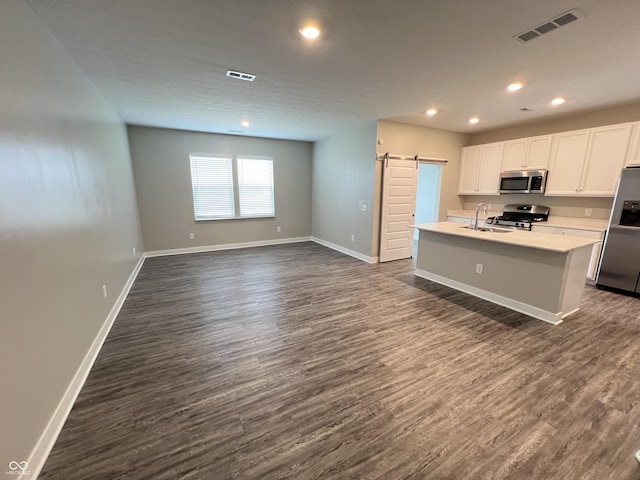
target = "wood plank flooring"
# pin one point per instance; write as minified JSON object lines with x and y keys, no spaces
{"x":297,"y":362}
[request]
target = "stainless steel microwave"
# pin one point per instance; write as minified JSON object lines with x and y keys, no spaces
{"x":525,"y":181}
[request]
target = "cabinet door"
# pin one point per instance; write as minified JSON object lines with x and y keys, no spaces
{"x":569,"y":151}
{"x":633,"y":157}
{"x":606,"y":157}
{"x":490,"y":167}
{"x":538,"y":149}
{"x":469,"y":170}
{"x":515,"y":152}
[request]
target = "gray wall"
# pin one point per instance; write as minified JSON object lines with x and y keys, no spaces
{"x":68,"y":223}
{"x":163,"y":185}
{"x":343,"y":176}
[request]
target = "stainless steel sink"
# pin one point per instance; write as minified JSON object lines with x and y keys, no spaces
{"x":488,"y":229}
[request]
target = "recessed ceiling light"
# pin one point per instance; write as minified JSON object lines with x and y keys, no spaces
{"x":432,"y":111}
{"x":514,"y":87}
{"x":557,"y":101}
{"x":474,"y":120}
{"x":245,"y":123}
{"x":310,"y":31}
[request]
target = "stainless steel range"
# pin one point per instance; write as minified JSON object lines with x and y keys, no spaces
{"x":521,"y":217}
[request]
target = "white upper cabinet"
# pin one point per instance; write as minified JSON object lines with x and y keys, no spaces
{"x":588,"y":162}
{"x":606,"y":158}
{"x":469,"y":166}
{"x":580,"y":163}
{"x":527,"y":153}
{"x":480,"y":169}
{"x":633,"y":157}
{"x":568,"y":154}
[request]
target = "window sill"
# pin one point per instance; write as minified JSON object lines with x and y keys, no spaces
{"x":215,"y":219}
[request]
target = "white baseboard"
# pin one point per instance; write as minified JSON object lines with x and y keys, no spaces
{"x":346,"y":251}
{"x":225,"y":246}
{"x":550,"y":317}
{"x":48,"y":438}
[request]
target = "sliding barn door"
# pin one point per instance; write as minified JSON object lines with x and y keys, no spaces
{"x":399,"y":181}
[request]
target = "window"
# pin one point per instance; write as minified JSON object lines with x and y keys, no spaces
{"x":255,"y":187}
{"x":222,"y":188}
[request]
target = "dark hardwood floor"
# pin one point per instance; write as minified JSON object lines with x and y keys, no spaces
{"x":298,"y":362}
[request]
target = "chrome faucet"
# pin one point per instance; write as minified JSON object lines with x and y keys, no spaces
{"x":475,"y":225}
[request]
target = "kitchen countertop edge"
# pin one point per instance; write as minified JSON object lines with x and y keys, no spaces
{"x":540,"y":241}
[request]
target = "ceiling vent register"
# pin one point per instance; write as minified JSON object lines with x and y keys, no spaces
{"x":548,"y":26}
{"x":241,"y":75}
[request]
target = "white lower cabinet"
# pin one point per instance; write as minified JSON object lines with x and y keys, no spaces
{"x":575,"y":232}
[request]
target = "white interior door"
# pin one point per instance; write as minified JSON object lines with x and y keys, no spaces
{"x":399,"y":182}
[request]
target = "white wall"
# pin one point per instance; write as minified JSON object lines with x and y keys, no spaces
{"x":344,"y":168}
{"x":163,"y":184}
{"x":68,"y":224}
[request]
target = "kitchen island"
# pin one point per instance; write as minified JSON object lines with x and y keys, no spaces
{"x":537,"y":274}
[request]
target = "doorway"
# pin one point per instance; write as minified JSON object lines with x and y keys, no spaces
{"x":427,"y":198}
{"x":427,"y":194}
{"x":410,"y":195}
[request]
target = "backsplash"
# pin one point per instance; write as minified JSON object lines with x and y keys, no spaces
{"x":560,"y":206}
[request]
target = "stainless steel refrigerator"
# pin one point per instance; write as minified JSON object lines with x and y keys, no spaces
{"x":620,"y":263}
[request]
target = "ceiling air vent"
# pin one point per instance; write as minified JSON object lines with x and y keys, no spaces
{"x":241,"y":75}
{"x":548,"y":26}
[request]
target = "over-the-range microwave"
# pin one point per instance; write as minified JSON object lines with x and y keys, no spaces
{"x":524,"y":181}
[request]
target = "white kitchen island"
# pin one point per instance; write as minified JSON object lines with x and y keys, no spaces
{"x":538,"y":274}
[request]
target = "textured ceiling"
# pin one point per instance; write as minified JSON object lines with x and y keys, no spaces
{"x":163,"y":62}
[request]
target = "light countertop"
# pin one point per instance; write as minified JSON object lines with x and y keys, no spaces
{"x":594,"y":224}
{"x":542,"y":241}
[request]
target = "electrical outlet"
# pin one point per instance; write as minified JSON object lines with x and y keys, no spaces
{"x":353,"y":238}
{"x":192,"y":236}
{"x":363,"y":205}
{"x":104,"y":291}
{"x":588,"y":212}
{"x":134,"y":251}
{"x":479,"y":267}
{"x":278,"y":229}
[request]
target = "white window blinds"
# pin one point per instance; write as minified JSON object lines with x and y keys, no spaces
{"x":224,"y":190}
{"x":212,"y":183}
{"x":255,"y":187}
